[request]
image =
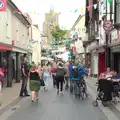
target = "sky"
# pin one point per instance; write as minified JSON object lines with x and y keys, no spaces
{"x":66,"y":8}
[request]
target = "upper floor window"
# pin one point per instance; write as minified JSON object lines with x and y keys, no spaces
{"x":18,"y":37}
{"x":7,"y":24}
{"x":117,"y":11}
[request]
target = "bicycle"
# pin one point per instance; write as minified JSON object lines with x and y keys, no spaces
{"x":80,"y":89}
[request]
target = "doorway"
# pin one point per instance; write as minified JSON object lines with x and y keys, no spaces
{"x":117,"y":62}
{"x":101,"y":63}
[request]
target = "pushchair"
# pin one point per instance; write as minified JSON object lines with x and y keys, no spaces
{"x":105,"y":90}
{"x":77,"y":83}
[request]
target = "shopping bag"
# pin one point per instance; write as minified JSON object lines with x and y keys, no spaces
{"x":42,"y":83}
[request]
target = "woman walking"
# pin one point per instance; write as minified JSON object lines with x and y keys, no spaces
{"x":60,"y":72}
{"x":34,"y":78}
{"x":46,"y":75}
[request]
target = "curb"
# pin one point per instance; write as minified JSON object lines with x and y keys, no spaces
{"x":14,"y":102}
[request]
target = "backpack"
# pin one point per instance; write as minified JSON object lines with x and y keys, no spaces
{"x":75,"y":73}
{"x":60,"y":72}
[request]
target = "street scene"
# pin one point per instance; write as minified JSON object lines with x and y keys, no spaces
{"x":59,"y":60}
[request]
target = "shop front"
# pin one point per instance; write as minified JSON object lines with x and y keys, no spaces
{"x":6,"y":64}
{"x":101,"y":60}
{"x":114,"y":42}
{"x":102,"y":50}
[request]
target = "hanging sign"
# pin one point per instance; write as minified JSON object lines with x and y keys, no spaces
{"x":108,"y":26}
{"x":2,"y":5}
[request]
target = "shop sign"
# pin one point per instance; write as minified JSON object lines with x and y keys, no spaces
{"x":2,"y":47}
{"x":108,"y":26}
{"x":93,"y":45}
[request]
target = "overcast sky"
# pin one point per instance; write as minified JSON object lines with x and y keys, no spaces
{"x":66,"y":7}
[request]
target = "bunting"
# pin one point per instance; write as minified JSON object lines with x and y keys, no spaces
{"x":109,"y":1}
{"x":42,"y":42}
{"x":81,"y":10}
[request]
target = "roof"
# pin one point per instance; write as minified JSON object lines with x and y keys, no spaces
{"x":78,"y":19}
{"x":21,"y":17}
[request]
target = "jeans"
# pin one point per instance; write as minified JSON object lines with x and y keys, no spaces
{"x":24,"y":86}
{"x":46,"y":78}
{"x":60,"y":81}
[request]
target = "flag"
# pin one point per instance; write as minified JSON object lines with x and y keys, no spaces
{"x":109,"y":1}
{"x":102,"y":3}
{"x":18,"y":11}
{"x":76,"y":10}
{"x":89,"y":8}
{"x":95,"y":6}
{"x":41,"y":42}
{"x":82,"y":10}
{"x":2,"y":5}
{"x":74,"y":49}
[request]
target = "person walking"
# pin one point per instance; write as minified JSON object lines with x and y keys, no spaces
{"x":60,"y":72}
{"x":24,"y":71}
{"x":34,"y":78}
{"x":46,"y":75}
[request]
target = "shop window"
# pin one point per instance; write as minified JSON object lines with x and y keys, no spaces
{"x":117,"y":11}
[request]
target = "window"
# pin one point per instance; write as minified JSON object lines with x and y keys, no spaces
{"x":17,"y":32}
{"x":117,"y":11}
{"x":7,"y":25}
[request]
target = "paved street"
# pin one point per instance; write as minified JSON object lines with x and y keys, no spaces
{"x":53,"y":107}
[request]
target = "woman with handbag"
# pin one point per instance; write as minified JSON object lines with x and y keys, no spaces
{"x":34,"y":77}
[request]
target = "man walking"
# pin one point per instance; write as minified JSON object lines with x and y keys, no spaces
{"x":24,"y":70}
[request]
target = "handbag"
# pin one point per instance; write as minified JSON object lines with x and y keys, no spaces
{"x":42,"y":83}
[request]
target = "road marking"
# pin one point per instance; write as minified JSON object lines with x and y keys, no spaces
{"x":108,"y":113}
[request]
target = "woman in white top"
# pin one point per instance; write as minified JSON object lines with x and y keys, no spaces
{"x":46,"y":74}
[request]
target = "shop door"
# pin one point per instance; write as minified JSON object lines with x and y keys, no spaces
{"x":95,"y":69}
{"x":117,"y":62}
{"x":101,"y":63}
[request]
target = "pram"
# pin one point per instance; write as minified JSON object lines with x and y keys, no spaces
{"x":106,"y":91}
{"x":77,"y":83}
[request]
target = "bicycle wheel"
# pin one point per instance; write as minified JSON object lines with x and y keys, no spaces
{"x":81,"y":92}
{"x":76,"y":91}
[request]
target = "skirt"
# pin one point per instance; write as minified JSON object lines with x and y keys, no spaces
{"x":34,"y":85}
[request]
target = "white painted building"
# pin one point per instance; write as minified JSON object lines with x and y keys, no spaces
{"x":14,"y":39}
{"x":80,"y":31}
{"x":14,"y":29}
{"x":36,"y":55}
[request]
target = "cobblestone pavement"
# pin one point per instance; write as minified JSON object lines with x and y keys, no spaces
{"x":53,"y":107}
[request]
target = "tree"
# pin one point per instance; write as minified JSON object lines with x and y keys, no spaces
{"x":58,"y":34}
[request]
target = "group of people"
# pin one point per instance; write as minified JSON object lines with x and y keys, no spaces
{"x":39,"y":75}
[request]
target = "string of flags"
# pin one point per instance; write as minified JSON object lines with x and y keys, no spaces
{"x":81,"y":10}
{"x":42,"y":42}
